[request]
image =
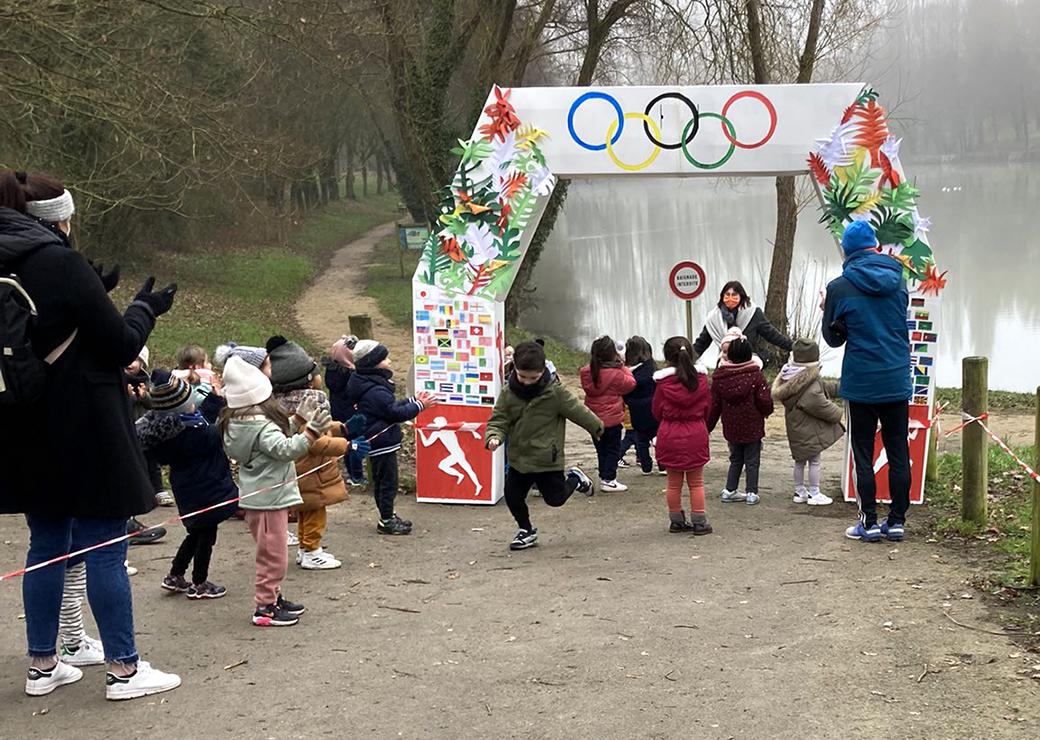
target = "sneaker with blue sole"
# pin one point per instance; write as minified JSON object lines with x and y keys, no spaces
{"x":892,"y":532}
{"x":865,"y":534}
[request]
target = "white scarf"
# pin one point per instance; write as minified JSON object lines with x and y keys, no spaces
{"x":716,"y":325}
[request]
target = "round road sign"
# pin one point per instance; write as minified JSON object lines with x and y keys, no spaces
{"x":687,"y":280}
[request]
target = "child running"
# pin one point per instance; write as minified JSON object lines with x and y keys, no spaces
{"x":740,"y":397}
{"x":178,"y":435}
{"x":813,"y":420}
{"x":532,"y":413}
{"x":605,"y":380}
{"x":681,"y":403}
{"x":371,"y":388}
{"x":296,"y":378}
{"x":256,"y":433}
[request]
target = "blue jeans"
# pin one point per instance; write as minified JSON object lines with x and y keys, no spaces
{"x":108,"y":587}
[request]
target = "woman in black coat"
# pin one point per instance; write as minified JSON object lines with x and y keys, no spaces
{"x":100,"y":480}
{"x":736,"y":309}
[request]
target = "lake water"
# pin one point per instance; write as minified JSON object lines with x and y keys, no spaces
{"x":605,"y":269}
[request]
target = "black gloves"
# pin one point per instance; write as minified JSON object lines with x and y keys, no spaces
{"x":110,"y":279}
{"x":158,"y":302}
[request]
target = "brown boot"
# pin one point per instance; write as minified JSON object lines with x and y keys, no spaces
{"x":679,"y":523}
{"x":699,"y":524}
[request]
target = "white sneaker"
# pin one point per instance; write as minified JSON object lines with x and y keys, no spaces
{"x":318,"y":560}
{"x":130,"y":570}
{"x":819,"y":499}
{"x":41,"y":683}
{"x":164,"y":498}
{"x":144,"y":682}
{"x":731,"y":496}
{"x":801,"y":495}
{"x":89,"y":652}
{"x":612,"y":485}
{"x":299,"y":556}
{"x":294,"y":541}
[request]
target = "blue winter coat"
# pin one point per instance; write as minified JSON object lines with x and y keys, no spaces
{"x":372,"y":391}
{"x":337,"y":378}
{"x":641,"y":399}
{"x":866,"y":311}
{"x":200,"y":474}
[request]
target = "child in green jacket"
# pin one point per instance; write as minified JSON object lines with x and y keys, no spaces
{"x":532,"y":414}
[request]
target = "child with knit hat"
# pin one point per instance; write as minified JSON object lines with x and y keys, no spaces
{"x":296,"y":379}
{"x":813,"y":420}
{"x":339,"y":366}
{"x":255,"y":356}
{"x":371,"y":388}
{"x":257,"y":432}
{"x":178,"y":435}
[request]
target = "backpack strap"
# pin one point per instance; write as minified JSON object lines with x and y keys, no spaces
{"x":58,"y":351}
{"x":13,"y":282}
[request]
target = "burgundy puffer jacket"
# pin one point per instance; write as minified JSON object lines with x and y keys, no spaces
{"x":604,"y":399}
{"x":740,"y":396}
{"x":682,"y":437}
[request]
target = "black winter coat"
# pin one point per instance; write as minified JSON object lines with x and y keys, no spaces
{"x":200,"y":474}
{"x":641,"y":399}
{"x":758,"y":328}
{"x":373,"y":393}
{"x":100,"y":471}
{"x":336,"y":379}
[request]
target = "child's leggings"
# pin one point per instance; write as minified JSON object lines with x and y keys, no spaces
{"x":814,"y":473}
{"x":695,"y":480}
{"x":270,"y":529}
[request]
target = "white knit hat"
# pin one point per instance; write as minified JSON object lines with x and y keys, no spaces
{"x":244,"y":385}
{"x":52,"y":210}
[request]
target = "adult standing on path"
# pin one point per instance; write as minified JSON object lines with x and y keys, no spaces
{"x":102,"y":480}
{"x":865,"y":309}
{"x":735,"y":309}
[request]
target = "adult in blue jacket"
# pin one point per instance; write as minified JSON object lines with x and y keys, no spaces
{"x":865,"y":309}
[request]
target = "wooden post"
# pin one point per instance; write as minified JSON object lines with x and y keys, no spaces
{"x":361,"y":326}
{"x":974,"y":442}
{"x":1034,"y":550}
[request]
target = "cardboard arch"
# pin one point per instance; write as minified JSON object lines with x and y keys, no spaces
{"x":528,"y":137}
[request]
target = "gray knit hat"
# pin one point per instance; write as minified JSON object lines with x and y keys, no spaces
{"x":255,"y":356}
{"x":291,"y":366}
{"x":368,"y":353}
{"x":805,"y":350}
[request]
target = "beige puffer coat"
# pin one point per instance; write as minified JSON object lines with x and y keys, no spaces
{"x":813,"y":419}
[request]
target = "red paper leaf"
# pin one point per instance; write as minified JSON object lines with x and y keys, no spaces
{"x":872,"y":130}
{"x":819,"y":169}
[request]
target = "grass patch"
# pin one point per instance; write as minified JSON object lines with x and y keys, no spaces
{"x":1007,"y":532}
{"x":567,"y":359}
{"x":998,"y":400}
{"x":247,"y":294}
{"x":389,"y":280}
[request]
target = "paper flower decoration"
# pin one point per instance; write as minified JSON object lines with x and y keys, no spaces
{"x":934,"y":281}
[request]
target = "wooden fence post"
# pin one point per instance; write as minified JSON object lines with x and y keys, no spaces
{"x":974,"y":442}
{"x":361,"y":326}
{"x":1034,"y":550}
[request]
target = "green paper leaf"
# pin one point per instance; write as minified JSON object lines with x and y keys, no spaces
{"x":903,"y":197}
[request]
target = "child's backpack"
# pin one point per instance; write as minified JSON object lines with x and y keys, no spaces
{"x":23,"y":374}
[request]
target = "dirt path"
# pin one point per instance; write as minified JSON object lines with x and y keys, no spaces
{"x":322,"y":311}
{"x":773,"y":627}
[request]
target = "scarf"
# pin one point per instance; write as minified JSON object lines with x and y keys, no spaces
{"x":291,"y":400}
{"x":720,"y":319}
{"x":791,"y":370}
{"x":155,"y":427}
{"x":529,"y":392}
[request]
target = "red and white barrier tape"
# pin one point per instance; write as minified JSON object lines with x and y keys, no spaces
{"x":172,"y":520}
{"x":458,"y":426}
{"x":969,"y":419}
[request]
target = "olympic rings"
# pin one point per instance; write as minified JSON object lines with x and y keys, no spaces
{"x":653,"y":133}
{"x":647,"y":121}
{"x":595,"y":96}
{"x":726,"y":124}
{"x":772,"y":118}
{"x":695,"y":120}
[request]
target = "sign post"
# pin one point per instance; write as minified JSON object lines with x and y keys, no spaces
{"x":686,"y":281}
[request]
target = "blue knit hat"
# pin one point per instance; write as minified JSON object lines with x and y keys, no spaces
{"x":858,"y":235}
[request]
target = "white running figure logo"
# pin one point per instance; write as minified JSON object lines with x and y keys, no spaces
{"x":456,"y":456}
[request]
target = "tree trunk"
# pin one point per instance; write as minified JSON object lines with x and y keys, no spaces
{"x":351,"y":192}
{"x":379,"y":173}
{"x":364,"y":179}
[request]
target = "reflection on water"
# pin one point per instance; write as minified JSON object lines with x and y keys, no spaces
{"x":605,"y":269}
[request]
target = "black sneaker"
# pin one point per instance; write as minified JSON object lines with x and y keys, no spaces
{"x":147,"y":537}
{"x":177,"y":584}
{"x":205,"y":590}
{"x":287,"y":606}
{"x":393,"y":525}
{"x":405,"y":522}
{"x":700,"y":528}
{"x":524,"y":539}
{"x":582,"y":482}
{"x":677,"y":527}
{"x":272,"y":616}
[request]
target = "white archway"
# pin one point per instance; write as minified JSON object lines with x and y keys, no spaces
{"x":527,"y":137}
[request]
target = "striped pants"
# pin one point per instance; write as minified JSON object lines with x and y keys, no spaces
{"x":70,"y":619}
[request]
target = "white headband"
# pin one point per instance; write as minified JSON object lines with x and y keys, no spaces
{"x":52,"y":210}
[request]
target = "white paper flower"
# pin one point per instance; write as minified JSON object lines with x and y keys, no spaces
{"x":834,"y":150}
{"x":921,"y":225}
{"x":482,"y":241}
{"x":891,"y":148}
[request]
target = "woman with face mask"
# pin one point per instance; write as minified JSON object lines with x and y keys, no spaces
{"x":735,"y":309}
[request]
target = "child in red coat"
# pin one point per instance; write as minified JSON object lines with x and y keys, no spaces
{"x":740,"y":396}
{"x":605,"y":380}
{"x":681,"y":404}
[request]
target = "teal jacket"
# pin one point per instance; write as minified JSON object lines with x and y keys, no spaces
{"x":265,"y":457}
